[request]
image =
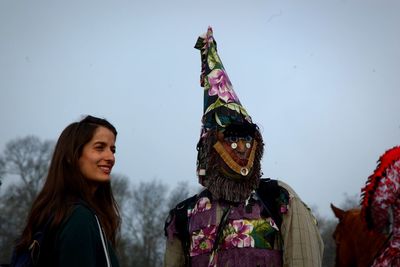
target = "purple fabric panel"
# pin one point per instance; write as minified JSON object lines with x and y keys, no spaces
{"x":243,"y":257}
{"x":202,"y":219}
{"x":239,"y":212}
{"x":208,"y":217}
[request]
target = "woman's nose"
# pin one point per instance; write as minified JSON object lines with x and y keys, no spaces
{"x":110,"y":156}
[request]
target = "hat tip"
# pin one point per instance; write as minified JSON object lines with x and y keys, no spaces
{"x":207,"y":34}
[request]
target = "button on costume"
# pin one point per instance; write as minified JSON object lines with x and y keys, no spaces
{"x":381,"y":206}
{"x":239,"y":219}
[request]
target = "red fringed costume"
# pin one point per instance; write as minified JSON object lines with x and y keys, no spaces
{"x":381,"y":205}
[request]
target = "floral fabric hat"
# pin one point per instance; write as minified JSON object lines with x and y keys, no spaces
{"x":221,"y":104}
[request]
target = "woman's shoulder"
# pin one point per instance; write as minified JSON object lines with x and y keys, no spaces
{"x":82,"y":210}
{"x":80,"y":219}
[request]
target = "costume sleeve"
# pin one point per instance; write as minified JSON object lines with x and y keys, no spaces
{"x":303,"y":245}
{"x":174,"y":255}
{"x":77,"y":239}
{"x":385,"y":195}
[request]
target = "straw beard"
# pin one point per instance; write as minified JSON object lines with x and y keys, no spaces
{"x":220,"y":180}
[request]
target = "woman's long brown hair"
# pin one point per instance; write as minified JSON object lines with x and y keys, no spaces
{"x":65,"y":185}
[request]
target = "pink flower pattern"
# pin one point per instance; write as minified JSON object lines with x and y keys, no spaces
{"x":237,"y":234}
{"x":203,"y":240}
{"x":221,"y":85}
{"x":202,"y":205}
{"x":240,"y":237}
{"x":284,"y":209}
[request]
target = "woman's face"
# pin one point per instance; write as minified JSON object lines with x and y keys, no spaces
{"x":97,"y":157}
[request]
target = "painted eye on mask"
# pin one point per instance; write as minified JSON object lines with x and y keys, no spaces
{"x":235,"y":139}
{"x":232,"y":139}
{"x":247,"y":138}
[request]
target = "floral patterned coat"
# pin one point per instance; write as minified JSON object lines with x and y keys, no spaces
{"x":248,"y":237}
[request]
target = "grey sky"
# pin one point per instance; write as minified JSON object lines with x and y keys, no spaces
{"x":321,"y":78}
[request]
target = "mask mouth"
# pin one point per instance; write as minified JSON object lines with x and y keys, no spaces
{"x":229,"y":174}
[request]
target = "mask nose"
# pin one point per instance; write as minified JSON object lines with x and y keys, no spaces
{"x":241,"y":146}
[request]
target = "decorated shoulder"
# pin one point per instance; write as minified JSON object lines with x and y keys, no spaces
{"x":178,"y":215}
{"x":276,"y":192}
{"x":294,"y":197}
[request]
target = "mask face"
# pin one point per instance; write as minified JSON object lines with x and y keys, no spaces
{"x":238,"y":147}
{"x":230,"y":173}
{"x":237,"y":151}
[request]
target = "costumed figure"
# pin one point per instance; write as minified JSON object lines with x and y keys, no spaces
{"x":381,"y":206}
{"x":239,"y":219}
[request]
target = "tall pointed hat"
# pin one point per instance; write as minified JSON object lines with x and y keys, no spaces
{"x":221,"y":104}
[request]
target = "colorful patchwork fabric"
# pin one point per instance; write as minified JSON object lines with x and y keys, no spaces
{"x":202,"y":205}
{"x":249,"y":237}
{"x":221,"y":104}
{"x":259,"y":233}
{"x":203,"y":240}
{"x":283,"y":201}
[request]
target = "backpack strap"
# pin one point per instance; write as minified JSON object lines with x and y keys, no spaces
{"x":30,"y":256}
{"x":103,"y":242}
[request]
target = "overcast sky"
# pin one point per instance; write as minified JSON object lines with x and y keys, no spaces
{"x":321,"y":78}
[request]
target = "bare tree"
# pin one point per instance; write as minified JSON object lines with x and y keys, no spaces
{"x":25,"y":161}
{"x":326,"y":227}
{"x":2,"y":170}
{"x":350,"y":202}
{"x":178,"y":194}
{"x":144,"y":212}
{"x":122,"y":192}
{"x":14,"y":207}
{"x":153,"y":209}
{"x":143,"y":224}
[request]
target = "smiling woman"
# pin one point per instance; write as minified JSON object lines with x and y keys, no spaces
{"x":97,"y":157}
{"x":75,"y":208}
